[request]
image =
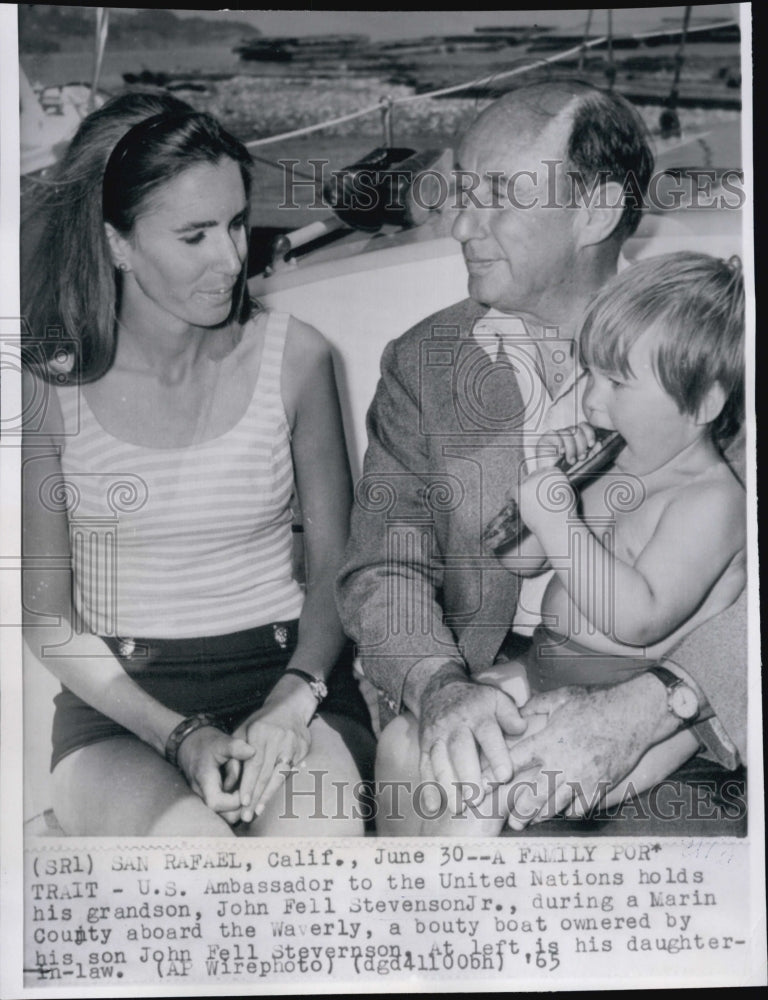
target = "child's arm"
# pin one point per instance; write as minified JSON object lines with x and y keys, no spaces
{"x":527,"y":557}
{"x":696,"y":538}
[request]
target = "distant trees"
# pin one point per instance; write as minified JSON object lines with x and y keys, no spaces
{"x":41,"y":28}
{"x":49,"y":28}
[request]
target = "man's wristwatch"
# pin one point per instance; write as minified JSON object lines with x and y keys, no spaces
{"x":682,"y":700}
{"x":316,"y":684}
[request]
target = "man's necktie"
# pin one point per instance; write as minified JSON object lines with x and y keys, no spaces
{"x":497,"y":387}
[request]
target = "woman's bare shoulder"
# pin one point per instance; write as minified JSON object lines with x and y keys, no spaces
{"x":307,"y":370}
{"x":305,"y":345}
{"x":41,"y":410}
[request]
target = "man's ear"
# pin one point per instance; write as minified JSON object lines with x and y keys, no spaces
{"x":119,"y":247}
{"x":711,"y":406}
{"x":599,"y":213}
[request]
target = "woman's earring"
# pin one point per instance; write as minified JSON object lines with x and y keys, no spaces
{"x":122,"y":266}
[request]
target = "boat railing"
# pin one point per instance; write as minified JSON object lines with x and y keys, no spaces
{"x":387,"y":104}
{"x":287,"y":244}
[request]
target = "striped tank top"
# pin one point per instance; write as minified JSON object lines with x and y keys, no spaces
{"x":189,"y":541}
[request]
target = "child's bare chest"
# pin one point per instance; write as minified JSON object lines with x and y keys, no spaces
{"x":623,"y":512}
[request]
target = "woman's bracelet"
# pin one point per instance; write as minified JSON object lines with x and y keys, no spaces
{"x":182,"y":731}
{"x":316,"y":684}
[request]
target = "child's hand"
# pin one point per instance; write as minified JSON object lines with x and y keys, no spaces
{"x":571,"y":443}
{"x":545,"y":501}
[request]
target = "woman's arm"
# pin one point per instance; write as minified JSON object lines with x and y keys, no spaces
{"x":82,"y":661}
{"x":324,"y":488}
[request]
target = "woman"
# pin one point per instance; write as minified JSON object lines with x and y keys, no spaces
{"x":178,"y":418}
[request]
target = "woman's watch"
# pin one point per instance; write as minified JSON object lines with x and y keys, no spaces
{"x":316,"y":684}
{"x":682,"y":700}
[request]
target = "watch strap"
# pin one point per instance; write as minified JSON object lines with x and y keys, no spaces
{"x":667,"y":677}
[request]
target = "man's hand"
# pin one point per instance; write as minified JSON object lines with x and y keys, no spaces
{"x":458,"y":717}
{"x":590,"y":741}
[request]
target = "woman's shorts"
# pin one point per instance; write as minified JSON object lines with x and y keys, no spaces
{"x":228,"y":676}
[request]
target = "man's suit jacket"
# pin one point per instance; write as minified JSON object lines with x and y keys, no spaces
{"x":444,"y":452}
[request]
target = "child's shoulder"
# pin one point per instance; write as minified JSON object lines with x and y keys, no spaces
{"x":714,"y":499}
{"x":718,"y":481}
{"x":703,"y":472}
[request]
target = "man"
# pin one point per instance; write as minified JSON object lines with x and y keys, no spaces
{"x":556,"y":173}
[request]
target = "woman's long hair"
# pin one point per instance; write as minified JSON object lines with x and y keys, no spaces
{"x":120,"y":155}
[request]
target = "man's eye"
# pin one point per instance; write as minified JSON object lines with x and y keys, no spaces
{"x":197,"y":238}
{"x":498,"y":188}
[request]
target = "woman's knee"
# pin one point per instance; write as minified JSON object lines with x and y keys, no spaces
{"x":123,"y":788}
{"x":189,"y":816}
{"x":397,"y":752}
{"x":311,"y":803}
{"x":397,"y":778}
{"x":325,"y":796}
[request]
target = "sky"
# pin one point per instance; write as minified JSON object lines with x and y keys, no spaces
{"x":408,"y":24}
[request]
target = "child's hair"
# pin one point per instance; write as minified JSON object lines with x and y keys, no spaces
{"x":696,"y":303}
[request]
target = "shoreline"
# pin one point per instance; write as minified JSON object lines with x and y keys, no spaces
{"x":255,"y":104}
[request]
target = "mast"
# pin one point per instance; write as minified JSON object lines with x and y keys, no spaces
{"x":669,"y":120}
{"x":583,"y":53}
{"x":679,"y":59}
{"x":100,"y":40}
{"x":610,"y":71}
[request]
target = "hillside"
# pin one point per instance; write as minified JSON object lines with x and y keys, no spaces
{"x":44,"y":28}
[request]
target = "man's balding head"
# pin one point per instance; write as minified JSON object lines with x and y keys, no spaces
{"x":558,"y":173}
{"x":602,"y":135}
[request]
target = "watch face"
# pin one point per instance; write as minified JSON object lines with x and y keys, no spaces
{"x":683,"y":702}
